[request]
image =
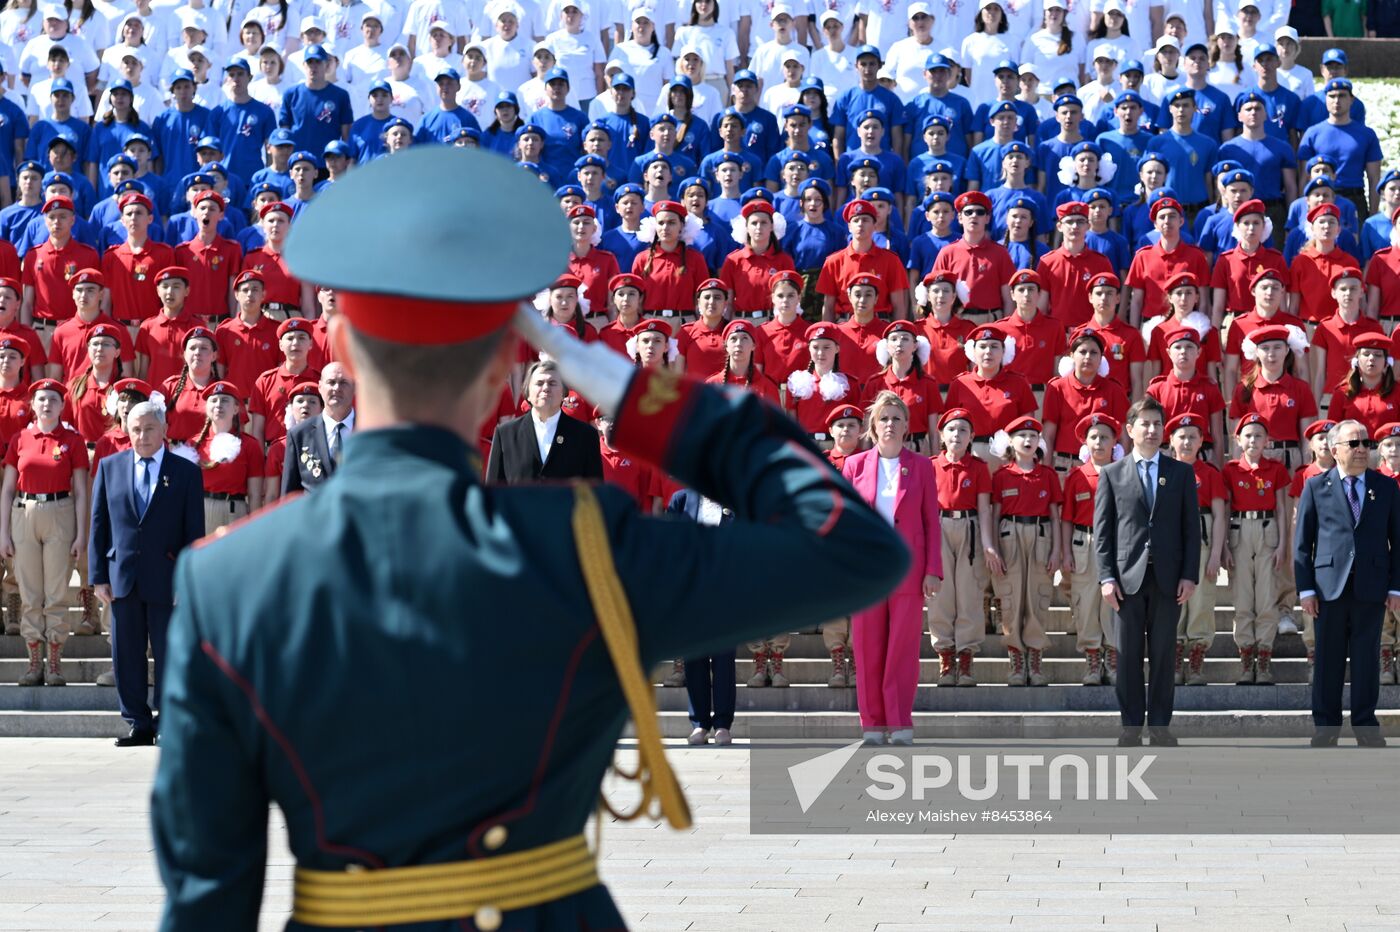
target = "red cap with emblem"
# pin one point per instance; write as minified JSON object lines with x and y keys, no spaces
{"x":756,"y":206}
{"x":1025,"y":422}
{"x":10,"y":341}
{"x":868,"y":280}
{"x":954,"y":414}
{"x":57,"y":203}
{"x":627,"y":280}
{"x":13,"y":285}
{"x":136,"y":197}
{"x":901,"y":326}
{"x":173,"y":271}
{"x":1271,"y":332}
{"x":1081,"y":430}
{"x":275,"y":207}
{"x":787,"y":275}
{"x":1387,"y":431}
{"x":199,"y":333}
{"x":652,"y":325}
{"x":742,"y":325}
{"x":87,"y":277}
{"x":105,"y":332}
{"x":1249,"y":420}
{"x":1072,"y":209}
{"x":1317,"y":427}
{"x":673,"y":207}
{"x":1264,"y":275}
{"x":297,"y":324}
{"x":1371,"y":341}
{"x":1024,"y":277}
{"x":305,"y":388}
{"x":823,"y":331}
{"x":1105,"y":280}
{"x":210,"y":195}
{"x":1346,"y":271}
{"x":249,"y":275}
{"x":972,"y":199}
{"x":1188,"y":420}
{"x":137,"y":386}
{"x":858,"y":208}
{"x":1161,"y":204}
{"x":1324,"y":210}
{"x":566,"y":280}
{"x":221,"y":387}
{"x":941,"y":277}
{"x":712,"y":284}
{"x":582,"y":210}
{"x":1181,"y":280}
{"x":1179,"y":334}
{"x":1251,"y":206}
{"x":841,"y":412}
{"x":48,"y":385}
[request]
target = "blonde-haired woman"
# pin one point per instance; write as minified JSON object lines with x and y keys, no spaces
{"x":886,"y":637}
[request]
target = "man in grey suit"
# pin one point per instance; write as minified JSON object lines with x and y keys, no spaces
{"x":1147,"y":537}
{"x":313,"y":446}
{"x":1346,"y":555}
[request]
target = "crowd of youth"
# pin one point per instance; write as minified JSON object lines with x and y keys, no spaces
{"x":974,"y":232}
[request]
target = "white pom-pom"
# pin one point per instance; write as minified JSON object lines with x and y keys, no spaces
{"x":583,"y":303}
{"x":882,"y":353}
{"x":1103,"y":367}
{"x":110,"y":404}
{"x":646,"y":231}
{"x":1395,"y":237}
{"x":925,"y":350}
{"x":632,"y":346}
{"x":1268,"y":229}
{"x":1248,"y":350}
{"x":1198,"y":322}
{"x":224,"y":447}
{"x":673,"y":349}
{"x":541,"y":301}
{"x":596,"y":236}
{"x":1147,"y":327}
{"x":1107,"y":168}
{"x":801,"y":384}
{"x":1066,"y":173}
{"x":185,"y":452}
{"x":964,"y":291}
{"x":739,"y":229}
{"x":834,"y":386}
{"x":157,"y":399}
{"x":921,"y":295}
{"x":692,"y":229}
{"x":999,"y":444}
{"x":1009,"y":351}
{"x":1297,"y":339}
{"x":289,"y":419}
{"x":1117,"y":452}
{"x":1065,"y":367}
{"x":779,"y":225}
{"x":1083,"y":453}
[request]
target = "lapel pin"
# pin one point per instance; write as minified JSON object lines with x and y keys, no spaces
{"x":559,"y":438}
{"x":1162,"y":481}
{"x":904,"y":470}
{"x":1371,"y":494}
{"x":165,"y":481}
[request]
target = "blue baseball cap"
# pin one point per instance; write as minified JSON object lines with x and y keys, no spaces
{"x":176,"y":76}
{"x":451,"y":74}
{"x":507,"y":97}
{"x":623,"y":79}
{"x":1264,"y":48}
{"x":1006,"y":64}
{"x":209,"y":142}
{"x":281,"y":136}
{"x":680,"y":80}
{"x":61,"y":84}
{"x":235,"y":62}
{"x":1063,"y":80}
{"x":865,"y":50}
{"x":139,"y":138}
{"x":745,"y":74}
{"x":812,"y":84}
{"x":1132,"y":64}
{"x":316,"y":53}
{"x":66,"y":138}
{"x":121,"y":84}
{"x":1334,"y":57}
{"x":936,"y":61}
{"x":556,"y":74}
{"x":380,"y":85}
{"x":335,"y":147}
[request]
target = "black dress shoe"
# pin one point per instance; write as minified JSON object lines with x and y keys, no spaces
{"x":137,"y":739}
{"x":1130,"y":738}
{"x":1323,"y":741}
{"x":1370,"y":741}
{"x":1161,"y":738}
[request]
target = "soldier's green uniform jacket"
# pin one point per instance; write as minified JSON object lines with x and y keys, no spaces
{"x":405,"y":658}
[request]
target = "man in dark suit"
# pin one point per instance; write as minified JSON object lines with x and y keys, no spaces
{"x":1147,"y":537}
{"x":1346,"y":558}
{"x":314,"y":445}
{"x":544,"y":443}
{"x":147,"y":506}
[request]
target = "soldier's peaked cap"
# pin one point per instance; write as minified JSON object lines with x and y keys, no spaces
{"x":456,"y":259}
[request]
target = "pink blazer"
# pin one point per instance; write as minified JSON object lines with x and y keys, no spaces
{"x":916,"y":515}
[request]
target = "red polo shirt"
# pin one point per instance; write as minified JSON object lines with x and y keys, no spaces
{"x":14,"y":411}
{"x":1336,"y":338}
{"x":1295,"y":488}
{"x":985,"y":268}
{"x":70,"y":340}
{"x":161,"y":339}
{"x":280,"y":285}
{"x":89,"y":412}
{"x":1123,"y":346}
{"x":1066,"y":278}
{"x":1210,"y":485}
{"x":1157,"y":347}
{"x":841,"y":267}
{"x":596,"y":269}
{"x":1153,"y":267}
{"x":786,"y":348}
{"x":702,"y":349}
{"x":1068,"y":401}
{"x":811,"y":412}
{"x":671,"y":282}
{"x":629,"y":473}
{"x":760,"y":384}
{"x":917,"y":391}
{"x":1312,"y":280}
{"x":47,"y":270}
{"x":1283,"y":405}
{"x":212,"y":271}
{"x":947,"y":358}
{"x":959,"y":483}
{"x":994,"y":402}
{"x":46,"y":461}
{"x":131,"y":277}
{"x":246,"y":352}
{"x":272,"y":394}
{"x":1039,"y":342}
{"x":857,"y":354}
{"x":1235,"y":270}
{"x":1199,"y":396}
{"x":615,"y":336}
{"x":232,"y":478}
{"x":1026,"y":493}
{"x":9,"y":261}
{"x":1254,"y":488}
{"x":1245,"y":324}
{"x":1369,"y":407}
{"x":747,"y":274}
{"x":184,"y":415}
{"x":1383,"y":272}
{"x":1081,"y":485}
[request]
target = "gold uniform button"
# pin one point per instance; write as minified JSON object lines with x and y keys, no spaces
{"x":495,"y":837}
{"x":354,"y":868}
{"x":488,"y":919}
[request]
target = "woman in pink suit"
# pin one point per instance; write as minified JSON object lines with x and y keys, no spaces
{"x":886,"y":637}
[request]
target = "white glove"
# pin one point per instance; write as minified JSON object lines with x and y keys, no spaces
{"x":591,"y":369}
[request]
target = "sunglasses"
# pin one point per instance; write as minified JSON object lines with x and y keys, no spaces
{"x":974,"y":212}
{"x":1353,"y":444}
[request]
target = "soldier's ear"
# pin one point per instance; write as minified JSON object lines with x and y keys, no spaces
{"x":338,"y":334}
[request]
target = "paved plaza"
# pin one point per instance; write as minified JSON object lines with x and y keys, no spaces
{"x":75,"y":854}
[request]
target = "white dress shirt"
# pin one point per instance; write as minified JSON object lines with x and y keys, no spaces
{"x":328,"y":424}
{"x":137,"y":475}
{"x":544,"y":432}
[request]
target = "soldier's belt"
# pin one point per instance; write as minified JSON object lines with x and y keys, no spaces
{"x":482,"y":889}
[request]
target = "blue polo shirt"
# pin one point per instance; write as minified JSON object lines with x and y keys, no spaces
{"x":315,"y":118}
{"x":1266,"y":158}
{"x":920,"y":166}
{"x":14,"y":127}
{"x":1188,"y":159}
{"x":850,"y":104}
{"x":563,"y":140}
{"x":439,"y":124}
{"x":952,"y":105}
{"x":825,"y":167}
{"x":1126,"y":150}
{"x":1025,"y":131}
{"x":631,"y":136}
{"x":1350,"y":147}
{"x":45,"y":131}
{"x":175,"y":135}
{"x":243,"y":130}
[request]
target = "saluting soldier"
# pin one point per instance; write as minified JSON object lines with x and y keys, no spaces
{"x":413,"y":575}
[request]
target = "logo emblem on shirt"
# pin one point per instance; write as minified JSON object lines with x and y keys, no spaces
{"x":326,"y":113}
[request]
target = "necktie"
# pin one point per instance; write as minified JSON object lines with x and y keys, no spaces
{"x":143,"y":488}
{"x":1355,"y":501}
{"x":335,"y":442}
{"x":1148,"y":489}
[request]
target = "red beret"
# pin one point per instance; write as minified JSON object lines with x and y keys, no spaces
{"x":1181,"y":280}
{"x":17,"y":343}
{"x":13,"y":285}
{"x":1324,"y":210}
{"x":823,"y":331}
{"x":1265,"y":275}
{"x":986,"y":332}
{"x":1317,"y":427}
{"x":954,"y":414}
{"x":173,"y":271}
{"x":652,"y":325}
{"x":139,"y":386}
{"x":1072,"y":209}
{"x":1371,"y":341}
{"x":305,"y":388}
{"x":1081,"y":430}
{"x":787,"y":275}
{"x":841,"y":412}
{"x":858,"y":208}
{"x":941,"y":277}
{"x":1387,"y":431}
{"x":1189,"y":420}
{"x":1025,"y":422}
{"x":48,"y":385}
{"x":200,"y":333}
{"x":626,"y":280}
{"x":1181,"y":333}
{"x":1249,"y":420}
{"x":1105,"y":280}
{"x":136,"y":197}
{"x":582,"y":210}
{"x":675,"y":207}
{"x":1345,"y":271}
{"x":972,"y":198}
{"x":275,"y":207}
{"x":1024,"y":277}
{"x":1251,"y":206}
{"x":901,"y":326}
{"x":567,"y":280}
{"x":209,"y":195}
{"x":107,"y":331}
{"x":871,"y":280}
{"x":87,"y":277}
{"x":712,"y":284}
{"x":741,"y":325}
{"x":249,"y":275}
{"x":756,"y":206}
{"x":1163,"y":203}
{"x":221,"y":387}
{"x":298,"y":324}
{"x":57,"y":203}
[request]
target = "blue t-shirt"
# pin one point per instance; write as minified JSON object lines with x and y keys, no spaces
{"x":824,"y":168}
{"x":1313,"y":109}
{"x":622,"y":244}
{"x":921,"y":165}
{"x":1114,"y":246}
{"x":14,"y":219}
{"x":631,"y":136}
{"x":14,"y":127}
{"x":1215,"y":112}
{"x":563,"y":141}
{"x":45,"y":131}
{"x":501,"y":140}
{"x":1346,"y":242}
{"x":1026,"y":255}
{"x":1002,"y":196}
{"x":753,"y":168}
{"x":270,"y":175}
{"x":697,"y":142}
{"x":1298,"y":211}
{"x":891,"y":169}
{"x":1126,"y":150}
{"x":1047,"y":160}
{"x":36,"y":232}
{"x":848,"y":106}
{"x":810,"y":243}
{"x":1282,"y":105}
{"x":176,"y":135}
{"x":1025,"y":130}
{"x":243,"y":130}
{"x":439,"y":124}
{"x":105,"y":141}
{"x":1266,"y":158}
{"x":1188,"y":159}
{"x":1217,"y":234}
{"x":315,"y":117}
{"x":952,"y":105}
{"x":1350,"y":147}
{"x":923,"y":249}
{"x":1375,"y":234}
{"x":762,"y":135}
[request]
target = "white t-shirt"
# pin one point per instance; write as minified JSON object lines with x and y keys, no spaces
{"x":649,"y":73}
{"x":836,"y":69}
{"x":83,"y":60}
{"x":767,"y":61}
{"x":980,"y":52}
{"x":1299,"y":80}
{"x":578,"y":54}
{"x":906,"y":60}
{"x":41,"y":101}
{"x":887,"y":492}
{"x":478,"y":98}
{"x":1139,"y":16}
{"x":887,"y":21}
{"x":716,"y":44}
{"x":508,"y":63}
{"x":1042,"y":49}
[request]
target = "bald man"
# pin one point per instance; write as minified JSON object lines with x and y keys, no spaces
{"x":314,"y":445}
